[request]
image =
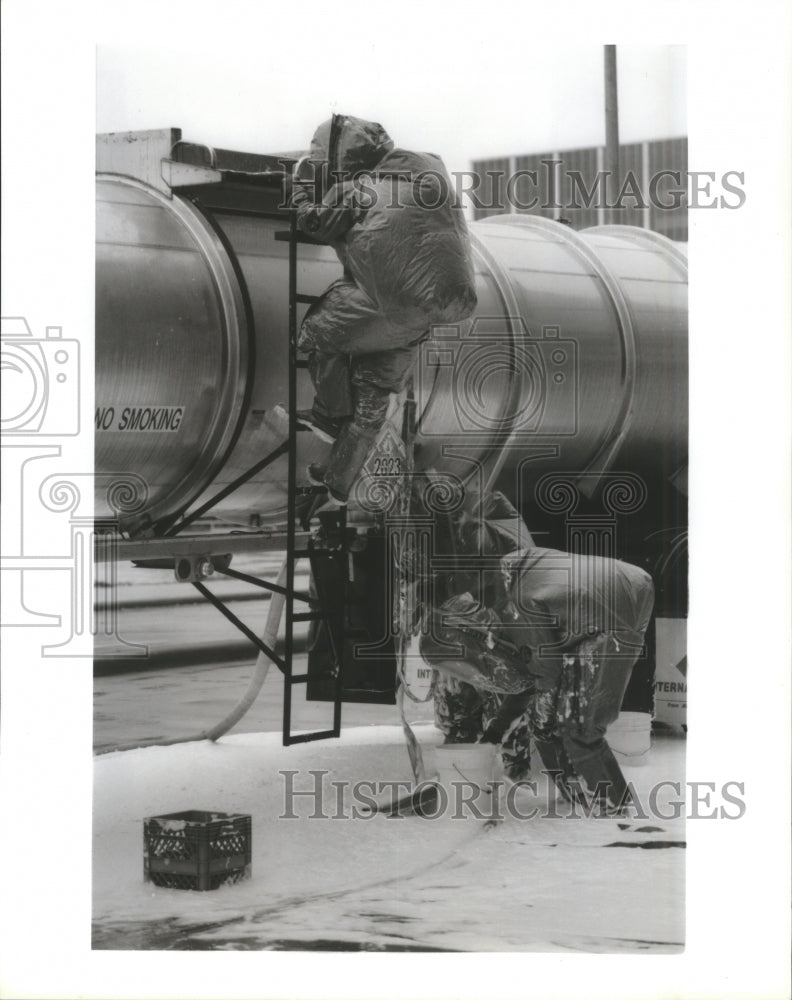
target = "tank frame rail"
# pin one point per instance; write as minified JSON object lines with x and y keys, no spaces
{"x":207,"y":545}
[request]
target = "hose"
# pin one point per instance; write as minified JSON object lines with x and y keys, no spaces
{"x":269,"y":637}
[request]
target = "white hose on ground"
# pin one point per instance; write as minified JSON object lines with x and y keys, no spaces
{"x":269,"y":637}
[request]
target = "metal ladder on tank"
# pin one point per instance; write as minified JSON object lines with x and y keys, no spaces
{"x":327,"y":552}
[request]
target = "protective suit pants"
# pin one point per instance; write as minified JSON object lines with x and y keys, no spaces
{"x":466,"y":715}
{"x":568,"y":723}
{"x":353,"y":375}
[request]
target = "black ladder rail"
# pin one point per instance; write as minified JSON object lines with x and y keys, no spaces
{"x":292,"y":480}
{"x":334,"y":623}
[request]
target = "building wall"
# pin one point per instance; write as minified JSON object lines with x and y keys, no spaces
{"x":569,"y":185}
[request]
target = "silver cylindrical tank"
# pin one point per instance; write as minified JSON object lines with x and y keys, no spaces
{"x":576,"y":359}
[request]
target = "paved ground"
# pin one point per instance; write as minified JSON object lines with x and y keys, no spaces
{"x":196,"y":664}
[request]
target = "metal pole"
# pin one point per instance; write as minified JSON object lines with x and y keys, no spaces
{"x":611,"y":130}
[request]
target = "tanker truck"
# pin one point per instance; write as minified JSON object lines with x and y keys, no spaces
{"x":567,"y":391}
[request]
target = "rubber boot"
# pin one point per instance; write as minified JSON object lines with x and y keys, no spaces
{"x":598,"y":773}
{"x":356,"y":440}
{"x":347,"y":458}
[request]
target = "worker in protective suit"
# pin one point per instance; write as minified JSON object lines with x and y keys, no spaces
{"x":481,"y":532}
{"x":544,"y":648}
{"x":392,"y":218}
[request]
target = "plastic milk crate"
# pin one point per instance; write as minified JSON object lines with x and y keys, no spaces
{"x":196,"y":849}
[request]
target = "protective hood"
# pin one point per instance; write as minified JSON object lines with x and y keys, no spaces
{"x":359,"y":145}
{"x":406,"y":251}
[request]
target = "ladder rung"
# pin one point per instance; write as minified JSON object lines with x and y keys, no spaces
{"x":308,"y":737}
{"x":301,"y":363}
{"x":298,"y":678}
{"x":308,"y":299}
{"x":283,"y":236}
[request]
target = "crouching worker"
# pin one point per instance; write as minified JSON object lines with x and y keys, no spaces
{"x":485,"y":529}
{"x":392,"y":219}
{"x":561,"y":640}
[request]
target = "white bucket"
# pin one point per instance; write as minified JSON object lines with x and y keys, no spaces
{"x":630,"y":737}
{"x":465,"y":762}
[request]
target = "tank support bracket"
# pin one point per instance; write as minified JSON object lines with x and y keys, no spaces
{"x":282,"y":449}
